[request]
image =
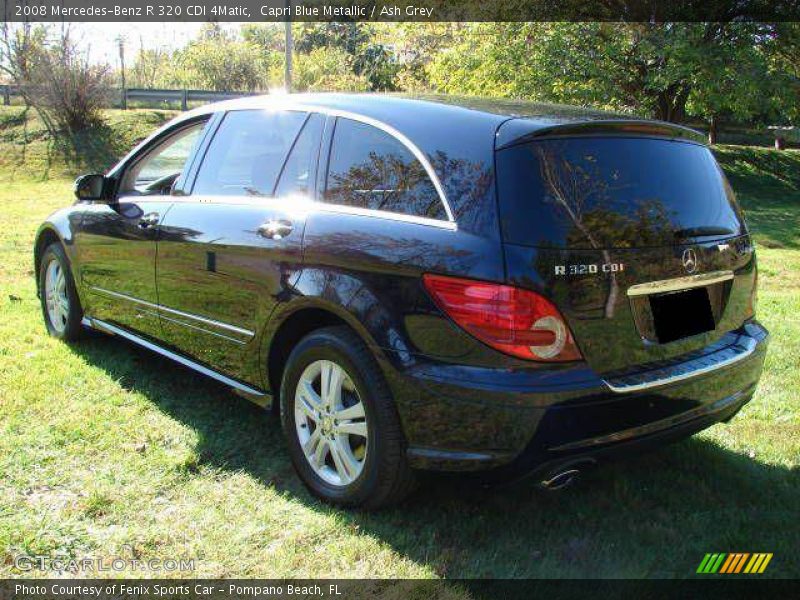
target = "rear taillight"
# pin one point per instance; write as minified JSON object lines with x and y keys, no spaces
{"x":515,"y":321}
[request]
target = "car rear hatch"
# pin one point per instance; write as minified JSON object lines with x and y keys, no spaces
{"x":632,"y":230}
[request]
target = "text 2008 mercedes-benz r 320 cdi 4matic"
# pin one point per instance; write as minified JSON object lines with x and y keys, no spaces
{"x":431,"y":283}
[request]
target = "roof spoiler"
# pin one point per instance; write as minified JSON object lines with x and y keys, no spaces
{"x":520,"y":131}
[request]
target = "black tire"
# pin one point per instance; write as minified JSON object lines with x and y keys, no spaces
{"x":70,"y":328}
{"x":385,"y":478}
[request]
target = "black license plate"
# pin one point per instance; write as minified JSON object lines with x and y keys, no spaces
{"x":680,"y":314}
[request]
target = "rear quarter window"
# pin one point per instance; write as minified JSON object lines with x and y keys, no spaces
{"x":368,"y":168}
{"x":612,"y":192}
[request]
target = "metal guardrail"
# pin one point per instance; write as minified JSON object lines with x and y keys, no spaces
{"x":182,"y":96}
{"x":152,"y":98}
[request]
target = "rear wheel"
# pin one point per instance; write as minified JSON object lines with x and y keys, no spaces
{"x":61,"y":307}
{"x":342,"y":429}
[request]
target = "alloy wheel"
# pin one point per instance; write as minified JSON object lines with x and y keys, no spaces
{"x":331,"y":423}
{"x":55,"y":293}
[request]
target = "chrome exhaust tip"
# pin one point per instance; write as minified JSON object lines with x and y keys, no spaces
{"x":565,"y":474}
{"x":560,"y":480}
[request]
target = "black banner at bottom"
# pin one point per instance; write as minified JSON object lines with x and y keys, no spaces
{"x":346,"y":589}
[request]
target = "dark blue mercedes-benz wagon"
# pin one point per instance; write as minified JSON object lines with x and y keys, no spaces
{"x":424,"y":283}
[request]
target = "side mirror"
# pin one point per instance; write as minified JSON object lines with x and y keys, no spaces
{"x":90,"y":187}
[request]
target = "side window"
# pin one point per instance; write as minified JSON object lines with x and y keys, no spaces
{"x":299,"y":167}
{"x":247,"y":153}
{"x":157,"y":171}
{"x":369,"y":168}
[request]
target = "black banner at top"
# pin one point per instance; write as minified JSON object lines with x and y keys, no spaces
{"x":400,"y":10}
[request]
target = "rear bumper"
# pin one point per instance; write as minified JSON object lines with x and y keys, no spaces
{"x":460,"y":418}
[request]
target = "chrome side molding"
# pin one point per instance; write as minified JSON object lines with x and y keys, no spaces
{"x":679,"y":283}
{"x":249,"y":392}
{"x":161,"y":308}
{"x":383,"y":214}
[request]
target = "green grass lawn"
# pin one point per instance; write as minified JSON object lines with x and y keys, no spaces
{"x":107,"y":450}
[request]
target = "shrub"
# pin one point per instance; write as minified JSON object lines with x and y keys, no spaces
{"x":57,"y":79}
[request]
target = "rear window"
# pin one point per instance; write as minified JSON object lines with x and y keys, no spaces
{"x":612,"y":192}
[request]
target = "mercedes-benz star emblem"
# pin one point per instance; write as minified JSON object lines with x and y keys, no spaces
{"x":689,"y":260}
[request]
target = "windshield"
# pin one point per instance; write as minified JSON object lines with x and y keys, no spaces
{"x":613,"y":192}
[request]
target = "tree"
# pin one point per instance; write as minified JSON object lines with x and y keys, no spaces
{"x":214,"y":60}
{"x":368,"y":58}
{"x":474,"y":63}
{"x":56,"y":78}
{"x":217,"y":61}
{"x":731,"y":78}
{"x":665,"y":70}
{"x":348,"y":36}
{"x":19,"y":45}
{"x":268,"y":37}
{"x":327,"y":70}
{"x":149,"y":68}
{"x":782,"y":50}
{"x":270,"y":43}
{"x":415,"y":46}
{"x":377,"y":65}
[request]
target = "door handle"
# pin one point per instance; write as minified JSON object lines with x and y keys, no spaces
{"x":276,"y":229}
{"x":149,"y":220}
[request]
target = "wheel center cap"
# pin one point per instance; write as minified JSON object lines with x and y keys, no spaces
{"x":327,"y":425}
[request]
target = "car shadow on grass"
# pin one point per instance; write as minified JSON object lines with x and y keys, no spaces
{"x":655,"y":515}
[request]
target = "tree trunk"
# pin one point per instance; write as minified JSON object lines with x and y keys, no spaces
{"x":671,"y":102}
{"x":712,"y":130}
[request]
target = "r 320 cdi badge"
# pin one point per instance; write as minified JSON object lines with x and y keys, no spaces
{"x":429,"y":283}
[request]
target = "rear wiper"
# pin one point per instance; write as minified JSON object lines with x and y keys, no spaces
{"x":702,"y":232}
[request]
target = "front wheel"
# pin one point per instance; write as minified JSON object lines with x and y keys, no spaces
{"x":343,"y":432}
{"x":61,"y":307}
